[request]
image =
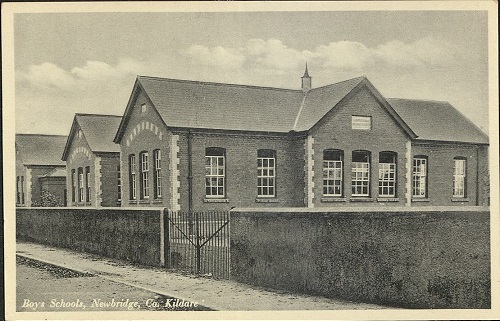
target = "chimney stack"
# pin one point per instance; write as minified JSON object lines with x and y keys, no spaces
{"x":306,"y":81}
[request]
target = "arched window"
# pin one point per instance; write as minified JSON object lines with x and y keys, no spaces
{"x":419,"y":184}
{"x":360,"y":173}
{"x":459,"y":177}
{"x":266,"y":173}
{"x":215,"y":172}
{"x":387,"y":169}
{"x":333,"y":172}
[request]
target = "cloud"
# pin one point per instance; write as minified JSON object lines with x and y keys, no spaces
{"x":226,"y":58}
{"x":47,"y":95}
{"x":94,"y":75}
{"x":273,"y":55}
{"x":423,"y":52}
{"x":47,"y":76}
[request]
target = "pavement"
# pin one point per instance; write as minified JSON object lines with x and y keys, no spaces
{"x":221,"y":295}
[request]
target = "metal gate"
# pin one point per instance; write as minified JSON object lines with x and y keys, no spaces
{"x":198,"y":242}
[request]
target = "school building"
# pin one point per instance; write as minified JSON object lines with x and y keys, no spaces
{"x":40,"y":172}
{"x":92,"y":161}
{"x":192,"y":146}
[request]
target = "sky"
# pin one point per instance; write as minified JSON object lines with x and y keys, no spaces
{"x":88,"y":62}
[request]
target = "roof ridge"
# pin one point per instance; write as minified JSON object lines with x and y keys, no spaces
{"x":427,"y":100}
{"x":243,"y":85}
{"x":220,"y":84}
{"x":23,"y":134}
{"x":99,"y":115}
{"x":336,"y":83}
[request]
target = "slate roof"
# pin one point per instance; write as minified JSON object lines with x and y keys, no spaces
{"x":36,"y":149}
{"x":98,"y":130}
{"x":205,"y":105}
{"x":320,"y":100}
{"x":58,"y":172}
{"x":437,"y":120}
{"x":194,"y":104}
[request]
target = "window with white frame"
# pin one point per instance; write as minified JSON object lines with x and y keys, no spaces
{"x":215,"y":172}
{"x":81,"y":191}
{"x":387,"y":174}
{"x":87,"y":184}
{"x":361,"y":122}
{"x":132,"y":167}
{"x":459,"y":177}
{"x":144,"y":168}
{"x":22,"y":189}
{"x":419,"y":188}
{"x":73,"y":185}
{"x":18,"y":190}
{"x":332,"y":172}
{"x":360,"y":173}
{"x":157,"y":173}
{"x":119,"y":182}
{"x":266,"y":173}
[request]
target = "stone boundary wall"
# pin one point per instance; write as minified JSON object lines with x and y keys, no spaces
{"x":433,"y":257}
{"x":135,"y":235}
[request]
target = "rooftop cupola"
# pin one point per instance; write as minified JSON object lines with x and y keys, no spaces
{"x":306,"y":81}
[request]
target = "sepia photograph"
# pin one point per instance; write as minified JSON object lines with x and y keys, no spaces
{"x":251,"y":160}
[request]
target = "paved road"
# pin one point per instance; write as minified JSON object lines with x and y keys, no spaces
{"x":43,"y":287}
{"x":221,"y":295}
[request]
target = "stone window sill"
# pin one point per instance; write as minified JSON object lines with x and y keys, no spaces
{"x":143,"y":201}
{"x":267,"y":200}
{"x":216,"y":200}
{"x":132,"y":202}
{"x":361,"y":199}
{"x":158,"y":200}
{"x":333,"y":199}
{"x":420,"y":200}
{"x":458,"y":199}
{"x":387,"y":199}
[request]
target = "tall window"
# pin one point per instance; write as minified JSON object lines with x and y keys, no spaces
{"x":73,"y":185}
{"x":87,"y":184}
{"x":119,"y":182}
{"x":132,"y":169}
{"x":157,"y":173}
{"x":144,"y":168}
{"x":18,"y":191}
{"x":459,"y":177}
{"x":360,"y":173}
{"x":80,"y":185}
{"x":22,"y":189}
{"x":332,"y":172}
{"x":419,"y":176}
{"x":215,"y":172}
{"x":266,"y":173}
{"x":387,"y":174}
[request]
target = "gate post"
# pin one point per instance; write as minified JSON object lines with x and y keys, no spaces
{"x":165,"y":227}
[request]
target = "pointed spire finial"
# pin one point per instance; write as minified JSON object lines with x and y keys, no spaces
{"x":306,"y":73}
{"x":306,"y":81}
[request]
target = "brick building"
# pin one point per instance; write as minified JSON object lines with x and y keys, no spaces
{"x":196,"y":145}
{"x":39,"y":170}
{"x":92,"y":161}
